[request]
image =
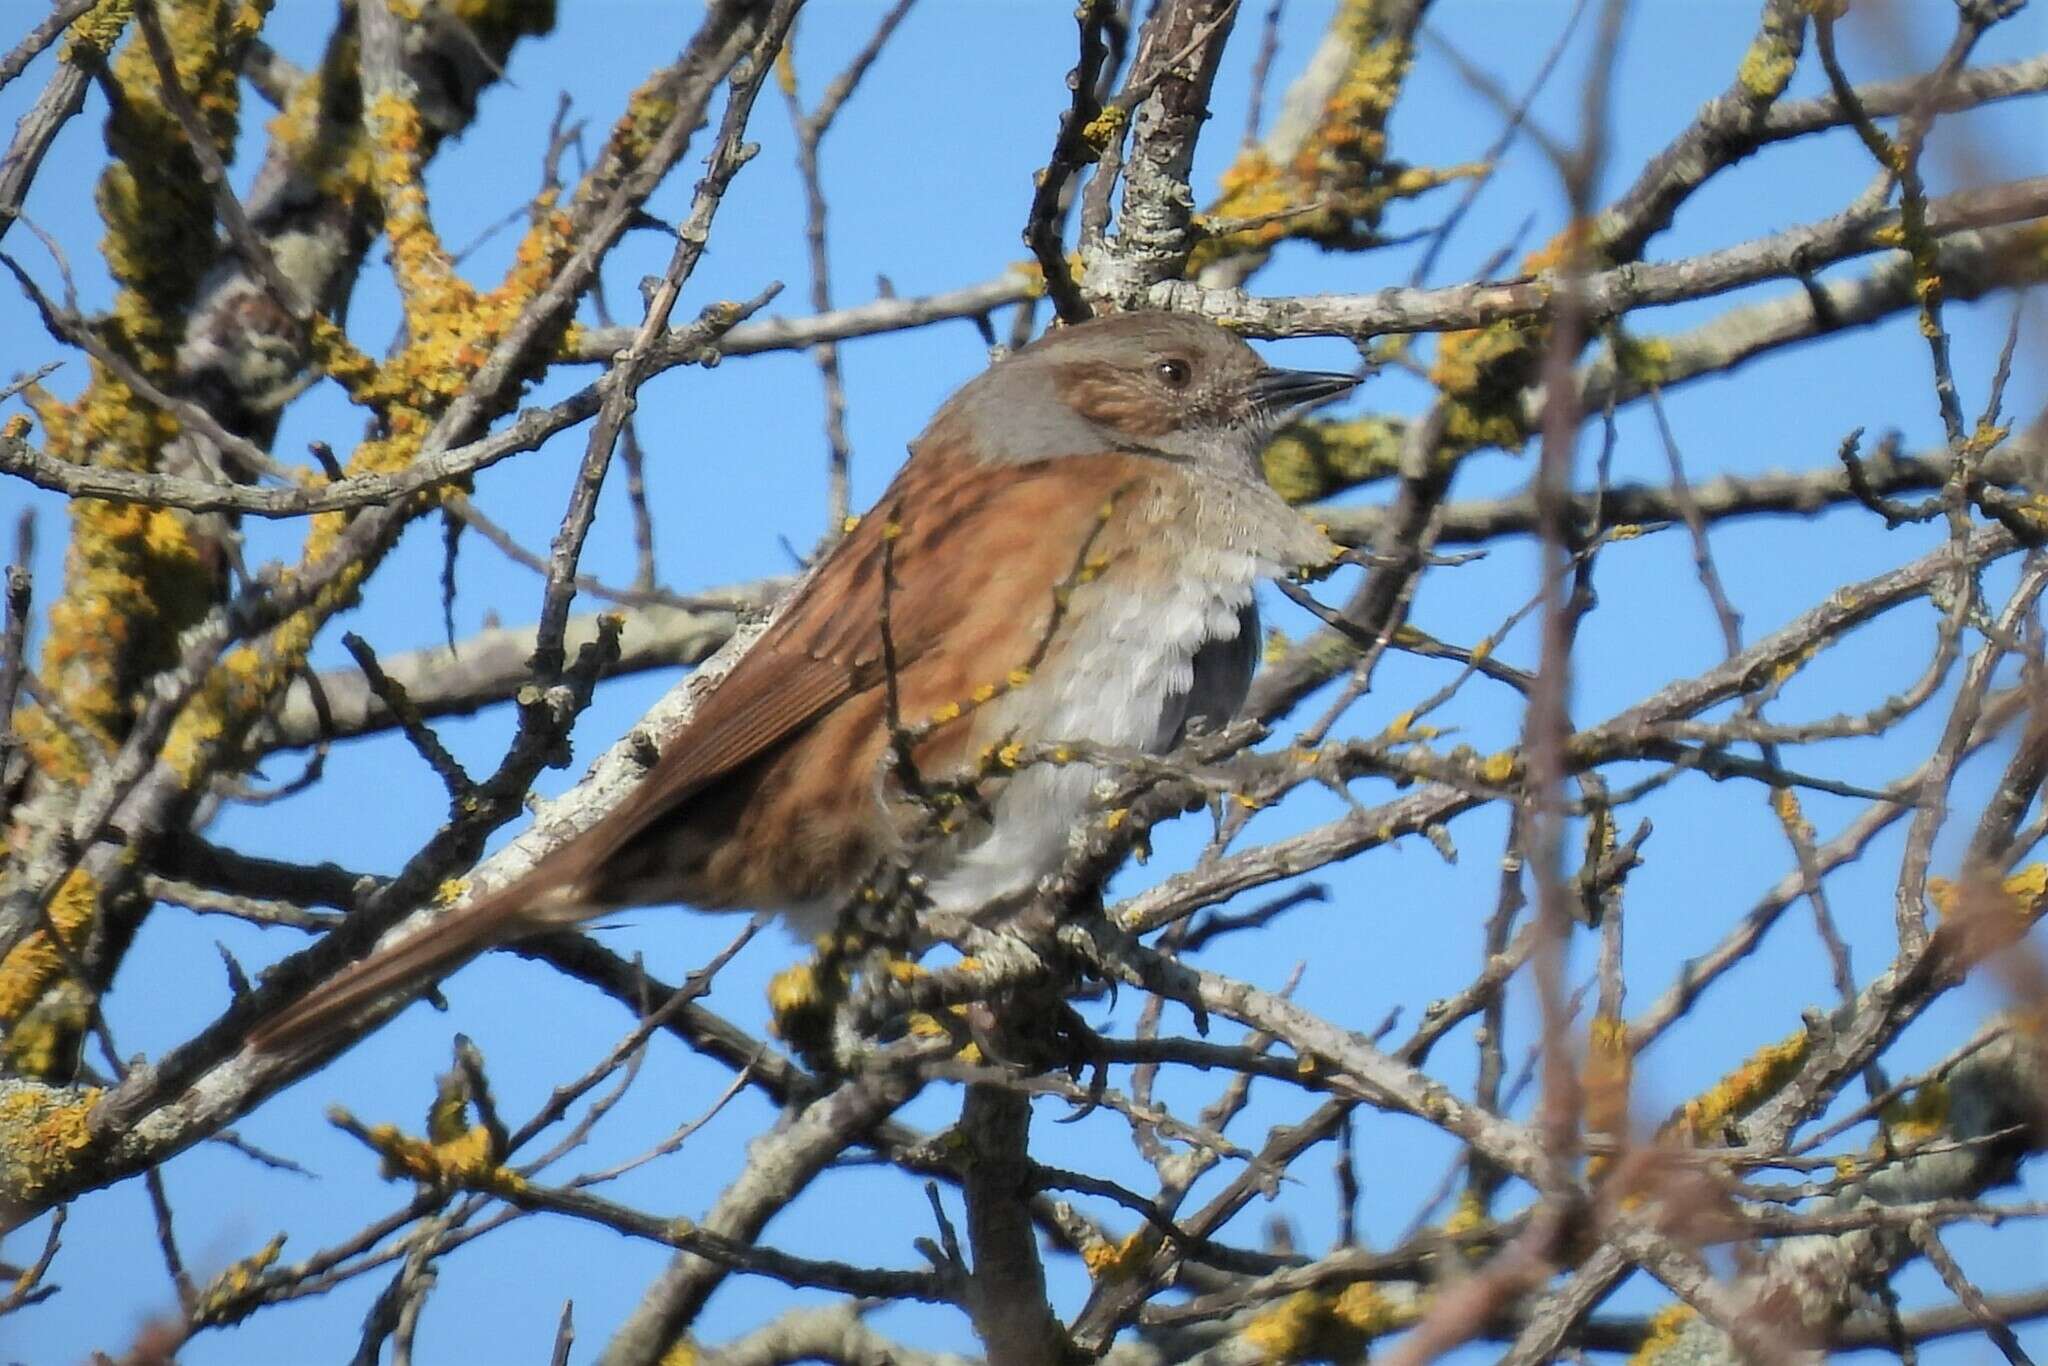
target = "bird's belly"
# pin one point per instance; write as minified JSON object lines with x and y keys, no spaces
{"x":1122,"y":681}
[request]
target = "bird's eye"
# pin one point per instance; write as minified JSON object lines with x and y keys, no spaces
{"x":1173,"y":373}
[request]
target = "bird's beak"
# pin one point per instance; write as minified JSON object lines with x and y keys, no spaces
{"x":1284,"y":392}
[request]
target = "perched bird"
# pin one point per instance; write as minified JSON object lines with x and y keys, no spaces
{"x":1068,"y":554}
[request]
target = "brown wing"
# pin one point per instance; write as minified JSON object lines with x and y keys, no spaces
{"x":954,"y":536}
{"x":974,"y":555}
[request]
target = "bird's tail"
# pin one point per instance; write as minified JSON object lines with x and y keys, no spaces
{"x":413,"y":962}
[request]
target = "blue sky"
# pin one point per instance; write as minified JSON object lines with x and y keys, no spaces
{"x":928,"y":172}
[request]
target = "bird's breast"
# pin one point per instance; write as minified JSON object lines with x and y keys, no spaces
{"x":1165,"y":621}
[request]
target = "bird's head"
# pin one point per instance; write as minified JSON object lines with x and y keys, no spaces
{"x":1161,"y":383}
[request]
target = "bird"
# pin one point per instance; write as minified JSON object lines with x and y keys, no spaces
{"x":1068,"y":555}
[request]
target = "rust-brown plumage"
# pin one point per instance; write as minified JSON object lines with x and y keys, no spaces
{"x":1004,"y":569}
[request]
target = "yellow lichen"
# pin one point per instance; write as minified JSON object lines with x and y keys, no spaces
{"x":1608,"y":1072}
{"x":1333,"y":186}
{"x":1369,"y":1311}
{"x":2026,"y":891}
{"x":1481,"y":374}
{"x":134,"y":577}
{"x":1767,"y":66}
{"x":1355,"y":115}
{"x":319,"y":129}
{"x":1985,"y":438}
{"x":2028,"y":887}
{"x":1252,"y":188}
{"x":1313,"y":460}
{"x":1785,"y":802}
{"x":1643,"y":362}
{"x":35,"y":963}
{"x":1794,"y":662}
{"x":46,"y":1041}
{"x":785,"y":66}
{"x":1499,"y":768}
{"x":451,"y":330}
{"x":1667,"y":1327}
{"x":1324,"y":1326}
{"x":1098,"y":131}
{"x":801,"y":997}
{"x":1923,"y":1117}
{"x":1470,"y":1213}
{"x":156,"y":206}
{"x":230,"y":1296}
{"x":447,"y":1117}
{"x":1283,"y":1333}
{"x":1703,"y":1118}
{"x":1107,"y":1261}
{"x":92,"y":35}
{"x":44,"y":1136}
{"x":794,"y":988}
{"x":469,"y":1159}
{"x":649,"y":110}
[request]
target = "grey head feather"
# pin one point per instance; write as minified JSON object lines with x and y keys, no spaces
{"x":1013,"y":412}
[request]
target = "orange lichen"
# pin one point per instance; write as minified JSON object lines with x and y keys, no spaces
{"x":649,"y":111}
{"x":451,"y":331}
{"x":319,"y":128}
{"x":135,"y":578}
